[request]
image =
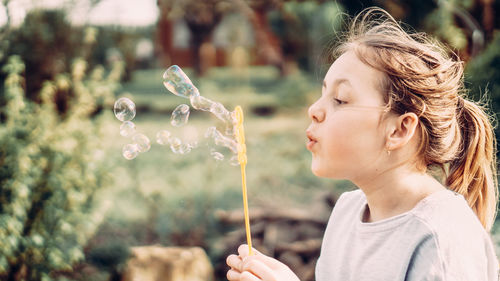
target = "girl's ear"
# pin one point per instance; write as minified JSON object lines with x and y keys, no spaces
{"x":401,"y":131}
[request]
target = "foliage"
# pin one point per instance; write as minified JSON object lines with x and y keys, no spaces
{"x":441,"y":22}
{"x":483,"y":76}
{"x":114,"y":42}
{"x":47,"y":44}
{"x":51,"y":167}
{"x":304,"y":28}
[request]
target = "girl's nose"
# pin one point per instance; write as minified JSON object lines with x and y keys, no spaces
{"x":316,"y":113}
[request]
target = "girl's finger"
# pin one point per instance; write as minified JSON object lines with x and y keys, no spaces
{"x":234,"y":262}
{"x":258,"y":268}
{"x":233,"y":275}
{"x":247,"y":276}
{"x":243,"y":251}
{"x":270,"y":262}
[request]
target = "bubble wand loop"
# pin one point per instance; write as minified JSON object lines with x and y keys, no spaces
{"x":242,"y":159}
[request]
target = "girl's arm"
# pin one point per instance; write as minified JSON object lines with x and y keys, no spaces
{"x":257,"y":267}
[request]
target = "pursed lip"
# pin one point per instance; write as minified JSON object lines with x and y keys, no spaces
{"x":311,"y":140}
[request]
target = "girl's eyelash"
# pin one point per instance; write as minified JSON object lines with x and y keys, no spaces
{"x":338,"y":101}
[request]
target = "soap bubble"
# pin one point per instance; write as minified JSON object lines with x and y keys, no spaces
{"x":180,"y":115}
{"x":201,"y":103}
{"x":163,"y":137}
{"x":229,"y":130}
{"x":124,"y":109}
{"x":178,"y":83}
{"x":185,"y":148}
{"x":221,"y":140}
{"x":225,"y":141}
{"x":127,"y":129}
{"x":175,"y":144}
{"x":234,"y":161}
{"x":193,"y":144}
{"x":221,"y":112}
{"x":175,"y":74}
{"x":178,"y":147}
{"x":210,"y":132}
{"x":130,"y":151}
{"x":217,"y":155}
{"x":142,"y":142}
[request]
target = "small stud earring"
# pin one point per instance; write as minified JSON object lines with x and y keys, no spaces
{"x":388,"y":152}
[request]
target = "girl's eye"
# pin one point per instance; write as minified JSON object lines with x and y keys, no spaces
{"x":338,"y":102}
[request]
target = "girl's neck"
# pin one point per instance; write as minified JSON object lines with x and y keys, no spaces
{"x":396,"y":191}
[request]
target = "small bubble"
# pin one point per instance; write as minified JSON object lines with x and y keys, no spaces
{"x":221,"y":112}
{"x":210,"y":132}
{"x":229,"y":129}
{"x":217,"y":155}
{"x":224,"y":141}
{"x":127,"y":129}
{"x":193,"y":144}
{"x":233,"y":161}
{"x":124,"y":109}
{"x":130,"y":151}
{"x":184,"y":148}
{"x":180,"y":115}
{"x":175,"y":145}
{"x":142,"y":142}
{"x":163,"y":137}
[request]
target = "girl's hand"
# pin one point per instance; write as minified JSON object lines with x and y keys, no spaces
{"x":257,"y":267}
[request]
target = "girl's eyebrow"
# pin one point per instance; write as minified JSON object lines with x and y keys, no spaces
{"x":337,"y":82}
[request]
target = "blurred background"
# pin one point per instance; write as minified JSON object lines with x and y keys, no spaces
{"x":72,"y":208}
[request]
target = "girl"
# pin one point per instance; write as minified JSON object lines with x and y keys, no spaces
{"x":392,"y":114}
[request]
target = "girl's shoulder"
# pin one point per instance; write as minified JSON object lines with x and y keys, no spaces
{"x":350,"y":202}
{"x":447,"y":210}
{"x":354,"y":196}
{"x":454,"y":225}
{"x":459,"y":239}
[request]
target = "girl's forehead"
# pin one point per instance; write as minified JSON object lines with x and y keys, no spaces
{"x":362,"y":77}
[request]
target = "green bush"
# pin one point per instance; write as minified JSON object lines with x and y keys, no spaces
{"x":483,"y":78}
{"x":51,"y":167}
{"x":47,"y":44}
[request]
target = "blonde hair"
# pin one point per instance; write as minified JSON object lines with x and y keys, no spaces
{"x":456,"y":134}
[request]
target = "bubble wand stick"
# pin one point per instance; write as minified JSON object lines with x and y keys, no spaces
{"x":242,"y":159}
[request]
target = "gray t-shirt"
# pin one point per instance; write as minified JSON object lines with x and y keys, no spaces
{"x":439,"y":239}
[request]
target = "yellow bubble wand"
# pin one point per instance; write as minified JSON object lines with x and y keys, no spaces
{"x":242,"y":159}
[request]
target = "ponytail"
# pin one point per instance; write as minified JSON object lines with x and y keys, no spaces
{"x":473,"y":172}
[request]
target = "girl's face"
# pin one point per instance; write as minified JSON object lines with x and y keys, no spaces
{"x":346,"y":135}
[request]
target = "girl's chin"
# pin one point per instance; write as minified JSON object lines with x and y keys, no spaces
{"x":321,"y":172}
{"x":318,"y":171}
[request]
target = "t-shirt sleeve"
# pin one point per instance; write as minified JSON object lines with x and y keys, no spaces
{"x":430,"y":263}
{"x":426,"y":263}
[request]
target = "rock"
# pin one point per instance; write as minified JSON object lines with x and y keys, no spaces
{"x":155,"y":263}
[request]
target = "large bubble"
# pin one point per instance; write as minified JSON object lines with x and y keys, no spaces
{"x":163,"y":137}
{"x":127,"y":129}
{"x":130,"y":151}
{"x":177,"y":82}
{"x":142,"y":142}
{"x":180,"y":115}
{"x":124,"y":109}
